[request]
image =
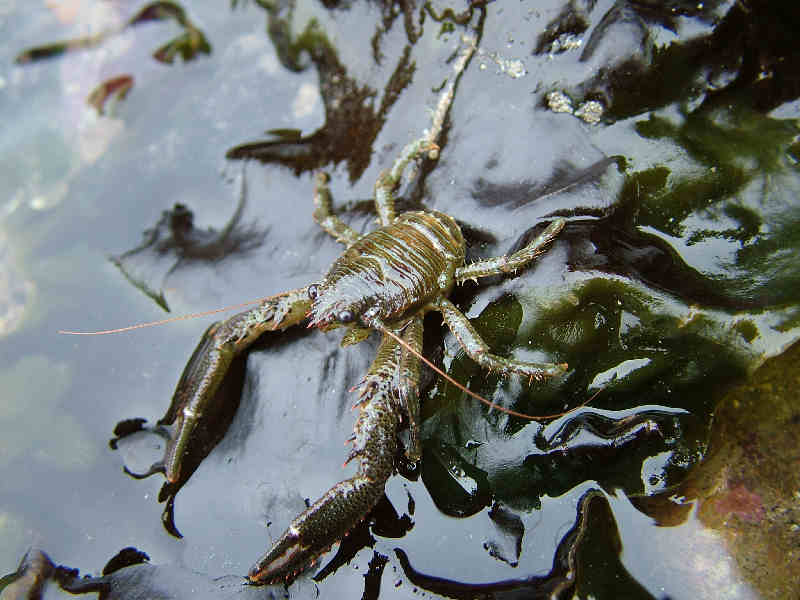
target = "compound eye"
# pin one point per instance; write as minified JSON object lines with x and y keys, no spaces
{"x":313,"y":291}
{"x":346,"y":316}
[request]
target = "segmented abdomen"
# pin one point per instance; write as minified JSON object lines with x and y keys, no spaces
{"x":399,"y":266}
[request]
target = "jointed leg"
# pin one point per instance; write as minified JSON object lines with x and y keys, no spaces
{"x":478,"y":351}
{"x":390,"y":179}
{"x":509,"y":264}
{"x":395,"y":371}
{"x":344,"y":505}
{"x":323,"y":213}
{"x":220,"y":344}
{"x":409,"y":370}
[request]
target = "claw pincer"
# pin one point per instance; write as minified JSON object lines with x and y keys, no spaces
{"x":209,"y":363}
{"x":341,"y":508}
{"x":387,"y":393}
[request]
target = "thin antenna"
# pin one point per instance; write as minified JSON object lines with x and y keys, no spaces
{"x":170,"y":320}
{"x":380,"y":327}
{"x":469,"y":392}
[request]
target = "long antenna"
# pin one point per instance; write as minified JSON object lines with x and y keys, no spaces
{"x":382,"y":328}
{"x":170,"y":320}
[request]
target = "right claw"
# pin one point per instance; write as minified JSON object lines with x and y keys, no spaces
{"x":343,"y":506}
{"x":388,"y":390}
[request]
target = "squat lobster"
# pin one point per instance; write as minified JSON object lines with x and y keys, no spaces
{"x":386,"y":280}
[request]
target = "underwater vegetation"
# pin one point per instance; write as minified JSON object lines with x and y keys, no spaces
{"x":665,"y":135}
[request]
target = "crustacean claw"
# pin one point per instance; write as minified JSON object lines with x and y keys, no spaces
{"x":344,"y":505}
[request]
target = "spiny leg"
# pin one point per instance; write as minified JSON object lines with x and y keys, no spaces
{"x":396,"y":371}
{"x":390,"y":178}
{"x":515,"y":262}
{"x":323,"y":213}
{"x":409,"y":370}
{"x":478,"y":351}
{"x":206,"y":369}
{"x":341,"y":508}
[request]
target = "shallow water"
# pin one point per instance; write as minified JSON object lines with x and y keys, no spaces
{"x":674,"y":280}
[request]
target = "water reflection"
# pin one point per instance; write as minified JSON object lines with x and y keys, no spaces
{"x":680,"y":279}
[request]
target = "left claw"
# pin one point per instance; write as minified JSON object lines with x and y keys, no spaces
{"x":209,"y":363}
{"x":195,"y":403}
